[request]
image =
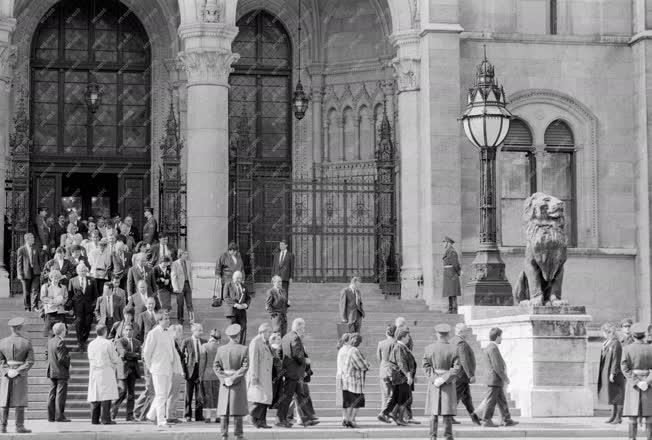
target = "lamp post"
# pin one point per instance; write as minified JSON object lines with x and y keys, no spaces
{"x":299,"y":98}
{"x":486,"y":123}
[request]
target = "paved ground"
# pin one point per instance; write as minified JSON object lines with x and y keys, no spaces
{"x":330,"y":428}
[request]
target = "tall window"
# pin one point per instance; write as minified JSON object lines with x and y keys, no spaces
{"x":78,"y":42}
{"x":518,"y":180}
{"x":558,"y":170}
{"x":261,"y":84}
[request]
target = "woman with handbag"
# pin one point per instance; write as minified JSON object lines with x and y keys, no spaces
{"x":100,"y":260}
{"x":342,"y":348}
{"x":53,"y":297}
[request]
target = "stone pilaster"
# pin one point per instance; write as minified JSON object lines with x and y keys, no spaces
{"x":207,"y":60}
{"x":407,"y":68}
{"x":317,"y":99}
{"x":7,"y":63}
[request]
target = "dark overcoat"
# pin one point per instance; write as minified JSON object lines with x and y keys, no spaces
{"x":232,"y":360}
{"x":452,"y":270}
{"x":611,"y":393}
{"x":637,"y":356}
{"x":15,"y":349}
{"x":440,"y":361}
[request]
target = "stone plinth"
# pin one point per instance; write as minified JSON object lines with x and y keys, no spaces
{"x":545,"y":352}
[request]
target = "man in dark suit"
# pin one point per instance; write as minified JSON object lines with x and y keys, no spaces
{"x":59,"y":229}
{"x":28,"y":269}
{"x":467,"y":374}
{"x":140,"y":272}
{"x":129,"y":350}
{"x":228,"y":263}
{"x":161,"y":250}
{"x":130,"y":230}
{"x":58,"y":372}
{"x":41,"y":229}
{"x":283,"y":266}
{"x":150,"y":228}
{"x":77,"y":257}
{"x":236,"y":303}
{"x":191,"y":349}
{"x":351,"y":310}
{"x":109,"y":307}
{"x":84,"y":294}
{"x":60,"y":263}
{"x":276,"y":305}
{"x":496,"y":381}
{"x":295,"y":362}
{"x":145,"y":321}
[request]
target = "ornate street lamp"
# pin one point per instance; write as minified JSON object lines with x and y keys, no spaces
{"x":486,"y":123}
{"x":93,"y":95}
{"x":299,"y":98}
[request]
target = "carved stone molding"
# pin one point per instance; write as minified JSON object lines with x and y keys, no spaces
{"x":407,"y":73}
{"x":219,"y":34}
{"x":7,"y":63}
{"x":208,"y":66}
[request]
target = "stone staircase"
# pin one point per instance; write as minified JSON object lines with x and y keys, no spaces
{"x":316,"y":303}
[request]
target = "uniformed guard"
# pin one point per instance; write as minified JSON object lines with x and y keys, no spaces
{"x":636,"y":365}
{"x":442,"y":366}
{"x":452,"y":270}
{"x":16,"y":358}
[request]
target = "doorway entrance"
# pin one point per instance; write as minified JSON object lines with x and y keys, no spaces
{"x":89,"y":194}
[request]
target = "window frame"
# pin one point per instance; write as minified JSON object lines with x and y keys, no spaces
{"x":572,"y":236}
{"x":90,"y":66}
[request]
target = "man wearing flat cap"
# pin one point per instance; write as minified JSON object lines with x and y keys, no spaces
{"x":16,"y":359}
{"x":442,"y":366}
{"x":452,"y":271}
{"x":636,"y":365}
{"x":230,"y":366}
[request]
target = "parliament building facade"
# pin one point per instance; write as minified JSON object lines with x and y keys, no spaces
{"x":195,"y":119}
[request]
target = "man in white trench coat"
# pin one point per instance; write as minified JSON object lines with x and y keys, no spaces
{"x":259,"y":376}
{"x":102,"y":383}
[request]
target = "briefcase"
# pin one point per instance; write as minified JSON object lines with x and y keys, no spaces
{"x":342,"y":327}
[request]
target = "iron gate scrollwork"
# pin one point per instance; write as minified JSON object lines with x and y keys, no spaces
{"x":172,"y":186}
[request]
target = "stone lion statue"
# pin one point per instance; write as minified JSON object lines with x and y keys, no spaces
{"x":545,"y":253}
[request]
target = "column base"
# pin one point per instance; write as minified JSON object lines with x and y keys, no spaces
{"x":488,"y":285}
{"x":411,"y":283}
{"x":203,"y":280}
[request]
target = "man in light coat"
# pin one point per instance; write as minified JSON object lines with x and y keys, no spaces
{"x":102,"y":384}
{"x":259,"y":376}
{"x":16,"y":359}
{"x":181,"y":276}
{"x":351,"y":310}
{"x":230,"y":365}
{"x":161,"y":359}
{"x":442,"y":367}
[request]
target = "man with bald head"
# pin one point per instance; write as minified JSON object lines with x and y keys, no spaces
{"x":236,"y":303}
{"x":259,"y":376}
{"x":84,"y":295}
{"x":467,"y":374}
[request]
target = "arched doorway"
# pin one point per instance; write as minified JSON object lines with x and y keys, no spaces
{"x":92,"y":159}
{"x":261,"y":141}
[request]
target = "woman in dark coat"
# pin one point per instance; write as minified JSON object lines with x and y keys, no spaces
{"x":452,"y":271}
{"x":611,"y":381}
{"x":277,"y":368}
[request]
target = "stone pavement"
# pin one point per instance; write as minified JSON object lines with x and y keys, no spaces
{"x":541,"y":428}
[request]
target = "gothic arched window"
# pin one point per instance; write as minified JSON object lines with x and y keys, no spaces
{"x":76,"y":44}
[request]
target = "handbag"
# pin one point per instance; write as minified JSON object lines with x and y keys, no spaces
{"x":69,"y":304}
{"x":216,"y":301}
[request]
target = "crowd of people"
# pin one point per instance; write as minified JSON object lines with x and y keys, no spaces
{"x":625,"y":374}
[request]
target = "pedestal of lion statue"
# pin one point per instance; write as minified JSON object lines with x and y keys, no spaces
{"x":545,"y":349}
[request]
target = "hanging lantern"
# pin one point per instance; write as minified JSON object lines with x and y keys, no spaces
{"x":300,"y":101}
{"x":93,"y":95}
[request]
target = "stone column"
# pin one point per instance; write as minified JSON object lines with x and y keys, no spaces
{"x":317,"y":97}
{"x":407,"y":66}
{"x":7,"y":62}
{"x":207,"y":59}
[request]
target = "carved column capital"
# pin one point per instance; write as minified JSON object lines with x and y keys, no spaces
{"x":208,"y":66}
{"x":407,"y":73}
